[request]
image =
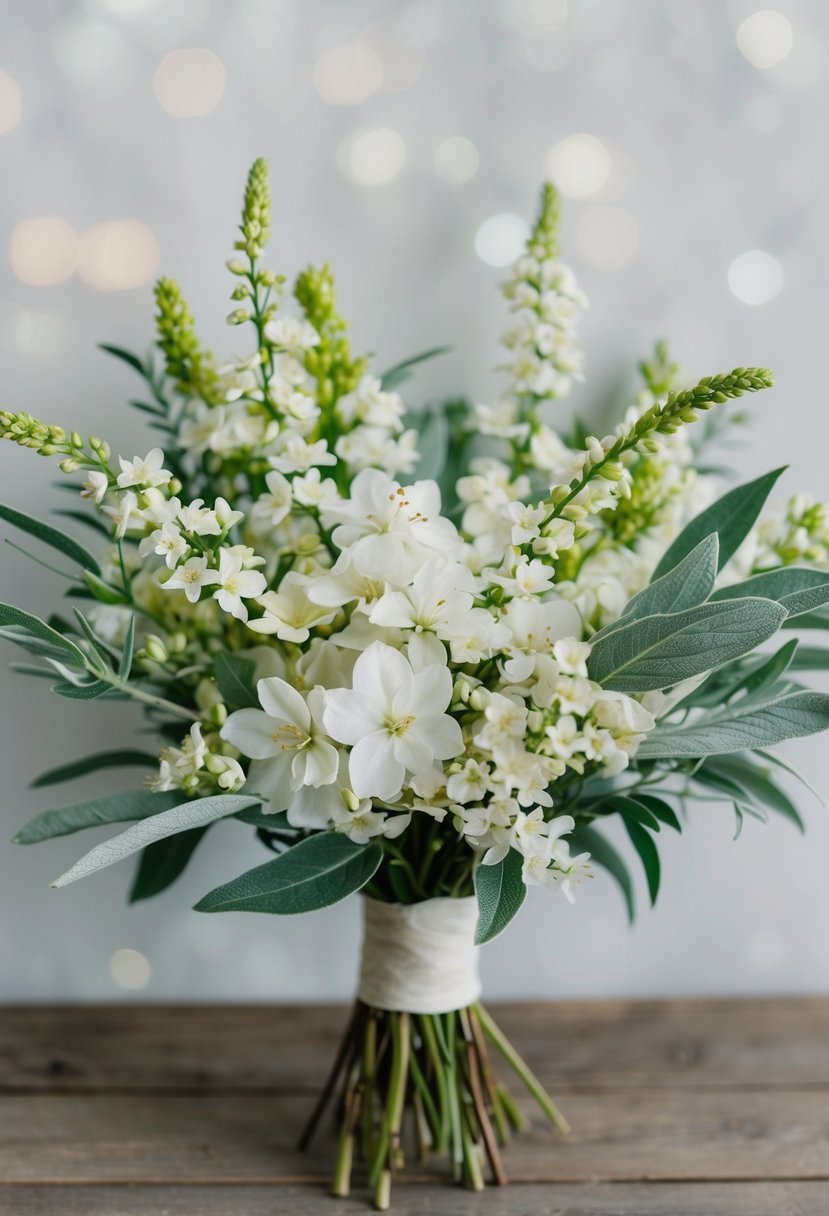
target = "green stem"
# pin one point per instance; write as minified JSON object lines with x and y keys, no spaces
{"x":520,"y":1067}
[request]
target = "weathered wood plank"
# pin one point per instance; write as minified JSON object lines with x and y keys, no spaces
{"x":617,"y":1044}
{"x":655,"y":1199}
{"x":618,"y":1135}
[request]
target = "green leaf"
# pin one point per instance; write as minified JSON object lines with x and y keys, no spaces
{"x":780,"y":762}
{"x":181,"y":818}
{"x":500,"y":890}
{"x":808,"y":620}
{"x":317,"y":872}
{"x":259,"y":818}
{"x":94,"y":764}
{"x":235,"y":680}
{"x":810,"y":658}
{"x":798,"y":589}
{"x":100,"y":648}
{"x":604,"y":854}
{"x":33,"y":625}
{"x":648,"y":854}
{"x":82,"y":692}
{"x":792,"y":716}
{"x":687,"y":585}
{"x":767,"y":674}
{"x":163,"y":862}
{"x":757,"y":785}
{"x":636,"y":812}
{"x":663,"y":812}
{"x":126,"y":356}
{"x":102,"y":591}
{"x":659,"y":651}
{"x":402,"y":371}
{"x":51,"y":536}
{"x":85,"y":518}
{"x":433,"y":442}
{"x":125,"y":665}
{"x":115,"y":808}
{"x":732,"y":517}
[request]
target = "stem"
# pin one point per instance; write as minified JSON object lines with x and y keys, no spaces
{"x":148,"y":698}
{"x":520,"y":1067}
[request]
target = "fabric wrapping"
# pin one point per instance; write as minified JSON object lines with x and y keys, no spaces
{"x":420,"y":958}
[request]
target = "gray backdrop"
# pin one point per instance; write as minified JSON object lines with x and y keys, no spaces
{"x":703,"y":157}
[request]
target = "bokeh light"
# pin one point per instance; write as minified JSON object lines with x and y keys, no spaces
{"x":11,"y":103}
{"x":456,"y":160}
{"x":118,"y":255}
{"x":580,"y":165}
{"x":375,"y":157}
{"x":43,"y":250}
{"x":765,"y":38}
{"x":755,"y":277}
{"x":348,"y":75}
{"x":501,"y":239}
{"x":190,"y":83}
{"x":130,"y":969}
{"x":607,"y":237}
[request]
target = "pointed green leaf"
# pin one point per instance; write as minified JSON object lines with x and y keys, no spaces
{"x":635,"y":811}
{"x":792,"y":716}
{"x":687,"y":585}
{"x":757,"y":785}
{"x":116,"y":808}
{"x":798,"y":589}
{"x":51,"y":536}
{"x":18,"y":619}
{"x":401,"y":372}
{"x":732,"y":517}
{"x":125,"y":665}
{"x":313,"y":874}
{"x":126,"y":356}
{"x":163,"y":862}
{"x":500,"y":890}
{"x":94,"y":764}
{"x":649,"y":855}
{"x":87,"y":691}
{"x":605,"y":855}
{"x":765,"y":676}
{"x":661,"y":809}
{"x":235,"y":680}
{"x":102,"y":591}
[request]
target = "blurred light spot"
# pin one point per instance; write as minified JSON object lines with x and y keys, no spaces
{"x":399,"y":50}
{"x":501,"y":239}
{"x":348,"y":75}
{"x":763,"y":113}
{"x":580,"y":165}
{"x":607,"y":237}
{"x":766,"y":949}
{"x":43,"y":251}
{"x":765,"y":38}
{"x":96,"y":55}
{"x":130,"y":969}
{"x":530,"y":17}
{"x":456,"y":160}
{"x":190,"y":83}
{"x":31,"y":333}
{"x":11,"y":103}
{"x":118,"y":255}
{"x":375,"y":157}
{"x":755,"y":277}
{"x":548,"y":50}
{"x":130,"y":8}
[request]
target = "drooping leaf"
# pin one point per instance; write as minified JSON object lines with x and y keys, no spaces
{"x":33,"y":625}
{"x":732,"y":517}
{"x":500,"y":891}
{"x":798,"y":589}
{"x":89,"y":690}
{"x":126,"y":356}
{"x":605,"y":855}
{"x":102,"y":591}
{"x":401,"y":372}
{"x":235,"y":680}
{"x":52,"y":536}
{"x":313,"y":874}
{"x":757,"y":785}
{"x":734,"y":729}
{"x":661,"y":809}
{"x":659,"y":651}
{"x":635,"y":811}
{"x":787,"y":767}
{"x":768,"y":673}
{"x":115,"y":808}
{"x":94,"y":764}
{"x":649,"y":854}
{"x":181,"y":818}
{"x":163,"y":862}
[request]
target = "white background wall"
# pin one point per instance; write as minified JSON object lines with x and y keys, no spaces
{"x":711,"y":157}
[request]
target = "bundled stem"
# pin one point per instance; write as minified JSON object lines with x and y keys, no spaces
{"x":435,"y":1069}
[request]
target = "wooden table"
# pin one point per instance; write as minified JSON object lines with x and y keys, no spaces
{"x":679,"y":1108}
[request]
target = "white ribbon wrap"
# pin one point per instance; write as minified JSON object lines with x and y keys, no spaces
{"x":420,"y":958}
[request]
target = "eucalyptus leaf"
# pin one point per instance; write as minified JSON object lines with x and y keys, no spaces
{"x":500,"y":890}
{"x":52,"y":536}
{"x":648,"y":854}
{"x":732,"y":517}
{"x":116,"y":808}
{"x":125,"y":665}
{"x":433,"y":442}
{"x":313,"y":874}
{"x":798,"y":589}
{"x":735,"y":729}
{"x":181,"y":818}
{"x":663,"y":650}
{"x":687,"y":585}
{"x":757,"y":785}
{"x":94,"y":764}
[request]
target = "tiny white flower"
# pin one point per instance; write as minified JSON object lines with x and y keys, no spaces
{"x":291,"y":333}
{"x":199,"y":519}
{"x":276,"y":504}
{"x":125,"y":514}
{"x":289,"y":613}
{"x":287,"y":733}
{"x":191,"y":577}
{"x":95,"y":486}
{"x":314,"y":490}
{"x":167,"y":542}
{"x":236,"y":584}
{"x":148,"y":471}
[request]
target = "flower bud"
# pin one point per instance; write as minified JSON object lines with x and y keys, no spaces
{"x":155,"y":649}
{"x":236,"y":266}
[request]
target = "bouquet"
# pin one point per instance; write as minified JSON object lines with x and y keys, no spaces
{"x":424,"y":655}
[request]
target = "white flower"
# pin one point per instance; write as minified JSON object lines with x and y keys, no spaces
{"x":225,"y":514}
{"x":470,"y":784}
{"x":199,"y":519}
{"x":440,"y":596}
{"x":289,"y":613}
{"x":371,"y":405}
{"x":535,"y":626}
{"x":374,"y":446}
{"x":146,"y":472}
{"x":236,"y":584}
{"x":291,"y":333}
{"x":394,"y":720}
{"x":571,"y":656}
{"x":95,"y":486}
{"x":294,"y":455}
{"x":313,"y":490}
{"x":528,"y":578}
{"x":343,"y":584}
{"x":276,"y":504}
{"x":287,"y":733}
{"x":191,"y":577}
{"x":125,"y":514}
{"x":167,"y":542}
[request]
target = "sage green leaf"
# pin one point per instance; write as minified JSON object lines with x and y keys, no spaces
{"x":402,"y":371}
{"x":94,"y":764}
{"x":18,"y":619}
{"x":259,"y":818}
{"x":735,"y":729}
{"x":732,"y":517}
{"x":687,"y":585}
{"x":317,"y":872}
{"x":764,"y":677}
{"x":635,"y":811}
{"x":601,"y":851}
{"x":88,"y":691}
{"x":781,"y":762}
{"x":102,"y":591}
{"x":810,"y":658}
{"x":500,"y":891}
{"x":661,"y":809}
{"x":756,"y":784}
{"x":51,"y":536}
{"x":808,"y":620}
{"x":235,"y":680}
{"x":433,"y":442}
{"x":163,"y":862}
{"x":798,"y":589}
{"x":659,"y":651}
{"x":181,"y":818}
{"x":126,"y":356}
{"x":125,"y":665}
{"x":115,"y":808}
{"x":649,"y":856}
